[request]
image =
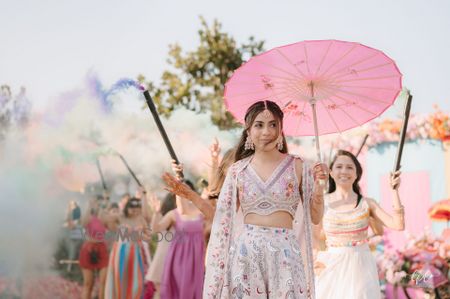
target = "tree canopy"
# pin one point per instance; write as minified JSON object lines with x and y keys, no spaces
{"x":195,"y":79}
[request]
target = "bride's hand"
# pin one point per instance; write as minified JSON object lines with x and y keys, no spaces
{"x":173,"y":185}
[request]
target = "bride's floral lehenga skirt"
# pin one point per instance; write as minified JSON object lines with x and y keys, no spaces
{"x":265,"y":262}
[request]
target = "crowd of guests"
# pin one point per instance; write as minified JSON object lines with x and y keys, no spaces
{"x":276,"y":227}
{"x":110,"y":240}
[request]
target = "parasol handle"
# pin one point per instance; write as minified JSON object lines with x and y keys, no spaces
{"x":316,"y":130}
{"x":401,"y":141}
{"x":316,"y":133}
{"x":161,"y":129}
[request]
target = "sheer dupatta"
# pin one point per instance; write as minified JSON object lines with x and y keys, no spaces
{"x":303,"y":229}
{"x":228,"y":223}
{"x":225,"y":228}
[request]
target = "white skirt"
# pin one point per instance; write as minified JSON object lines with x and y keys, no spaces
{"x":350,"y":273}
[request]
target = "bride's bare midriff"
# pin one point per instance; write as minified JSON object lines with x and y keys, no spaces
{"x":280,"y":219}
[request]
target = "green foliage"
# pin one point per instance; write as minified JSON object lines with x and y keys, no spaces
{"x":196,"y":79}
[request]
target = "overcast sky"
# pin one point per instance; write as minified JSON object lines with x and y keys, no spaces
{"x":49,"y":46}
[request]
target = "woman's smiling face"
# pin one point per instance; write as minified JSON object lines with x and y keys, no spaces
{"x":344,"y":171}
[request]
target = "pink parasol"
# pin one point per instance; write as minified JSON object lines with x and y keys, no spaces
{"x":343,"y":84}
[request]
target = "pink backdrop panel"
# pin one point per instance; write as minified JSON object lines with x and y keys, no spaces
{"x":416,"y":199}
{"x":398,"y":293}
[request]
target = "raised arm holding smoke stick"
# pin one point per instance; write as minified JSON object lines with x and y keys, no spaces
{"x":395,"y":221}
{"x":96,"y":209}
{"x":146,"y":210}
{"x":178,"y":172}
{"x":216,"y":178}
{"x":214,"y":150}
{"x":188,"y":201}
{"x":174,"y":185}
{"x":159,"y":222}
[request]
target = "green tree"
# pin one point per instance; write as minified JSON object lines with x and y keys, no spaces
{"x":196,"y":79}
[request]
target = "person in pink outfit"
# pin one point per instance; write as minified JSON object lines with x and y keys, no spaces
{"x":94,"y":252}
{"x":184,"y":263}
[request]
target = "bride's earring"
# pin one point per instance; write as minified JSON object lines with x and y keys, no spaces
{"x":249,"y":145}
{"x":280,"y":144}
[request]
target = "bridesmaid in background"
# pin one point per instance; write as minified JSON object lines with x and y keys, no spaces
{"x":154,"y":275}
{"x":347,"y":269}
{"x":128,"y":260}
{"x":184,"y":264}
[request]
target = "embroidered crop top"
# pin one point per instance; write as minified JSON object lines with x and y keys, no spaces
{"x":346,"y":228}
{"x":279,"y":193}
